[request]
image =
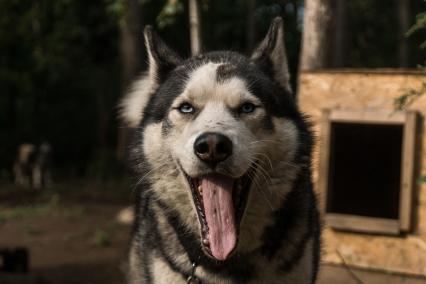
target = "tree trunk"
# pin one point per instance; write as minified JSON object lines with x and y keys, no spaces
{"x":131,"y":58}
{"x":316,"y":35}
{"x":195,"y":27}
{"x":251,"y":25}
{"x":339,"y":26}
{"x":102,"y":112}
{"x":130,"y":42}
{"x":403,"y":13}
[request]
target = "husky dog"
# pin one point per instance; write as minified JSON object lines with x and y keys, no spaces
{"x":222,"y":156}
{"x":32,"y":165}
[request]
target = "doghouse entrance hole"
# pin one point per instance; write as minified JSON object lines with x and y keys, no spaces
{"x":365,"y":169}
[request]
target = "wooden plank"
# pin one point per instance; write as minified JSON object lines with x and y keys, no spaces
{"x":362,"y":224}
{"x":367,"y":71}
{"x":324,"y":157}
{"x":407,"y":171}
{"x":368,"y":116}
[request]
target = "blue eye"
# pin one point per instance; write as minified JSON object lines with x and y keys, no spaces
{"x":186,"y":108}
{"x":247,"y":108}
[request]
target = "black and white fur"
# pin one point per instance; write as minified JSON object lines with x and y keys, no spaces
{"x":279,"y":238}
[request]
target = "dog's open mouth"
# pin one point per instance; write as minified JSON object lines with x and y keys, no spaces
{"x":220,"y":202}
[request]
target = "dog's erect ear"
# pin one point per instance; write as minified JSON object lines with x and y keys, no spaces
{"x":161,"y":59}
{"x":270,"y":54}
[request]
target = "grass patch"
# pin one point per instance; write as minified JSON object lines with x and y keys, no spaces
{"x":112,"y":189}
{"x":102,"y":238}
{"x":47,"y":206}
{"x":19,"y":212}
{"x":32,"y":230}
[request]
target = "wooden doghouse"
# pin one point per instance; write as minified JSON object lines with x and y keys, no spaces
{"x":369,"y":157}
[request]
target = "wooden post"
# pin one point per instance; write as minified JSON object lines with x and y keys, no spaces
{"x":316,"y":24}
{"x":403,"y":13}
{"x":251,"y":25}
{"x":131,"y":60}
{"x":339,"y":34}
{"x":195,"y":26}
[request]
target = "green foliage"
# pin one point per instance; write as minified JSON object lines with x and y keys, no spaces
{"x":408,"y":97}
{"x":419,"y":25}
{"x":32,"y":230}
{"x":168,"y":14}
{"x":58,"y":57}
{"x":371,"y":38}
{"x":422,"y":179}
{"x":33,"y":210}
{"x":116,"y":8}
{"x":102,"y":238}
{"x":60,"y":65}
{"x":371,"y":34}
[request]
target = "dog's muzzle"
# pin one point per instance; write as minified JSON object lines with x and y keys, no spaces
{"x":219,"y":199}
{"x":212,"y":148}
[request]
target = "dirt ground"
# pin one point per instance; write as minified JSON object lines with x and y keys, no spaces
{"x":73,"y":237}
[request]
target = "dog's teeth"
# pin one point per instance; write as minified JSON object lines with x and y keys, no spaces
{"x":206,"y":241}
{"x":200,"y":189}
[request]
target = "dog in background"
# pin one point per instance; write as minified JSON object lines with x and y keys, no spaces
{"x":222,"y":159}
{"x":32,"y":165}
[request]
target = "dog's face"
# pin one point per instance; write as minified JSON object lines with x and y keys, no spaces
{"x":213,"y":130}
{"x":214,"y":121}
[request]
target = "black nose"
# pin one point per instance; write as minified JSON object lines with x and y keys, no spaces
{"x":212,"y":148}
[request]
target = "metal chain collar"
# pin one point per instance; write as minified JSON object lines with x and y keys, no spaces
{"x":192,"y":279}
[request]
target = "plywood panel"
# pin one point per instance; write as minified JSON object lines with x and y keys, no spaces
{"x":362,"y":224}
{"x":370,"y":90}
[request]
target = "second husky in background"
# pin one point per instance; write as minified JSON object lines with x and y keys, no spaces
{"x":33,"y":165}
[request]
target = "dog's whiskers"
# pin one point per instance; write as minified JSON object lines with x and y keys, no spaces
{"x":149,"y":172}
{"x":259,"y":188}
{"x":257,"y":163}
{"x":269,"y":141}
{"x":254,"y":154}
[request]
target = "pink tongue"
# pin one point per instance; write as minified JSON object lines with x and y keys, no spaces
{"x":220,"y":216}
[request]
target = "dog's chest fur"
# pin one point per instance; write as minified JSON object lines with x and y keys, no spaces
{"x":162,"y":252}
